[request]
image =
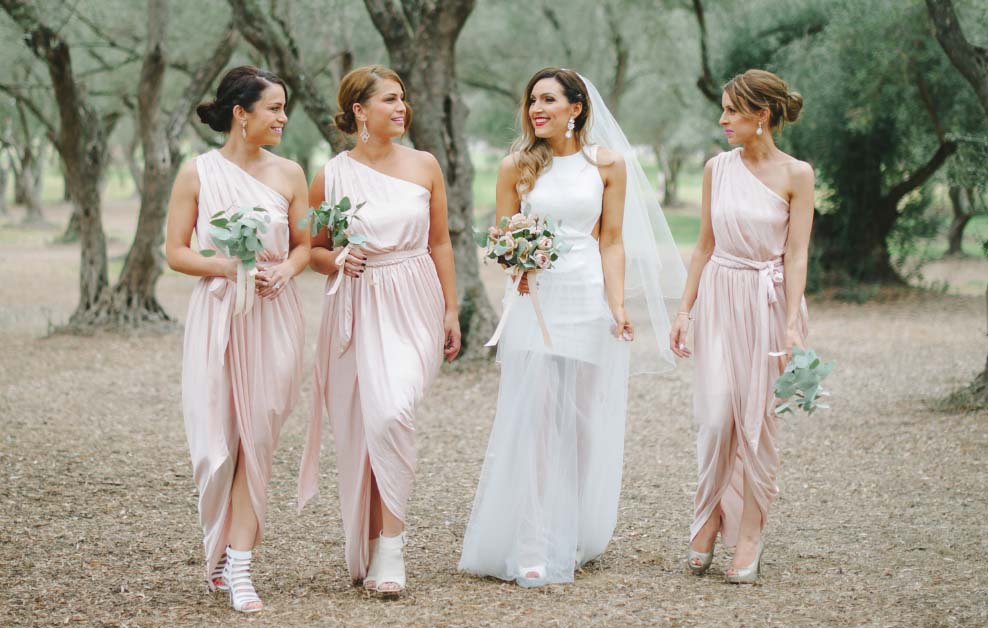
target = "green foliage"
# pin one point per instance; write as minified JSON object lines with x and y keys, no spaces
{"x":800,"y":382}
{"x":237,"y":234}
{"x":338,"y":218}
{"x":877,"y":87}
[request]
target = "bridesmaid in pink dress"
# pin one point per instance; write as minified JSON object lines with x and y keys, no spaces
{"x":240,"y":370}
{"x":385,"y":331}
{"x":746,"y":279}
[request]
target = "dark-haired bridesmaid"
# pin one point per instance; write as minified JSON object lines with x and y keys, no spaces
{"x":241,"y":365}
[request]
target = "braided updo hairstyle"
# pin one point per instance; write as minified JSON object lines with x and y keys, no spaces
{"x":758,"y":89}
{"x":240,"y":86}
{"x":357,"y":87}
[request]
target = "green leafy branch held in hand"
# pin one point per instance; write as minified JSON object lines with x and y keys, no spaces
{"x":799,"y":384}
{"x":237,"y":234}
{"x":337,"y":218}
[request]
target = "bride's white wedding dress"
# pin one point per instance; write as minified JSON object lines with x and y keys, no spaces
{"x":548,"y":493}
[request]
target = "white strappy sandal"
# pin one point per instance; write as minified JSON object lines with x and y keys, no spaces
{"x":216,"y":580}
{"x":243,"y":597}
{"x":390,"y":564}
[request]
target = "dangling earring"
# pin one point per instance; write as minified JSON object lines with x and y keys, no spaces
{"x":243,"y":129}
{"x":364,"y":135}
{"x":569,"y":127}
{"x":759,"y":131}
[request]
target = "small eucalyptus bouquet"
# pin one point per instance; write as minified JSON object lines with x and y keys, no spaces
{"x":799,"y":385}
{"x":337,"y":218}
{"x":236,"y":234}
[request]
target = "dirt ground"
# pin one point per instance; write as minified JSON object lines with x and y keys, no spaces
{"x":880,"y":522}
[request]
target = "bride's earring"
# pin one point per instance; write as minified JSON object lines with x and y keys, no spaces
{"x":364,"y":135}
{"x":759,"y":131}
{"x":569,"y":127}
{"x":243,"y":129}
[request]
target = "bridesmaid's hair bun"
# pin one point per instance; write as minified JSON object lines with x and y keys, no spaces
{"x":240,"y":86}
{"x":357,"y":87}
{"x":346,"y":121}
{"x":759,"y":89}
{"x":794,"y":105}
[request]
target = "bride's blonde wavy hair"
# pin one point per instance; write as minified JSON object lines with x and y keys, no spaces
{"x":532,"y":154}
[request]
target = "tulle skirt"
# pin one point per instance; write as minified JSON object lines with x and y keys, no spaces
{"x":548,"y":492}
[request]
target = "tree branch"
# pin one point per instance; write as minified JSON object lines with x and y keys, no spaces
{"x":16,"y":93}
{"x":490,"y":87}
{"x":202,"y":79}
{"x":970,"y":60}
{"x":918,"y":178}
{"x":705,"y":83}
{"x":258,"y":29}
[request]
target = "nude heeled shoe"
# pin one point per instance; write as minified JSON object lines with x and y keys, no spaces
{"x":749,"y":574}
{"x":705,"y":559}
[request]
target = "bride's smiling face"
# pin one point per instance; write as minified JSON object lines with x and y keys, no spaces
{"x":548,"y":109}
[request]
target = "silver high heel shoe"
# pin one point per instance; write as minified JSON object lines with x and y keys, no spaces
{"x":705,"y":559}
{"x":749,"y":574}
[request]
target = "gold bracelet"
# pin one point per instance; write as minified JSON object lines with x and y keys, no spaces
{"x":686,"y":314}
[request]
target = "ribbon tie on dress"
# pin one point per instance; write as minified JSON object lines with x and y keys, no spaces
{"x":769,"y":271}
{"x":769,"y":274}
{"x":241,"y":304}
{"x":345,"y":297}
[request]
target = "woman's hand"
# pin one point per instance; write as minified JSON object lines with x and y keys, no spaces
{"x":230,"y":265}
{"x":793,"y":339}
{"x":451,"y":326}
{"x":677,"y":335}
{"x":271,"y":281}
{"x":355,"y":263}
{"x":623,"y":329}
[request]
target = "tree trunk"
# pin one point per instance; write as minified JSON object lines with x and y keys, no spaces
{"x":81,"y":138}
{"x":27,"y":183}
{"x":421,"y":40}
{"x":960,"y":201}
{"x":4,"y":174}
{"x":132,"y":302}
{"x":136,"y":174}
{"x":854,"y":239}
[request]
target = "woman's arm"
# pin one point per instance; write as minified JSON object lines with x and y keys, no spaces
{"x":441,"y":250}
{"x":183,"y":210}
{"x":701,"y":255}
{"x":796,"y":256}
{"x":611,"y":241}
{"x":271,"y":281}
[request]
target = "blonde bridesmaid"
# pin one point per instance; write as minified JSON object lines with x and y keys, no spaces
{"x":240,"y":370}
{"x":385,"y":331}
{"x":745,"y":290}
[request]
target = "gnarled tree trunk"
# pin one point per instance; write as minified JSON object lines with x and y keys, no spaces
{"x":421,"y":39}
{"x":960,"y":201}
{"x":132,"y":302}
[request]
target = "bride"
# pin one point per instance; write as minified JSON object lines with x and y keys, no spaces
{"x":548,"y":493}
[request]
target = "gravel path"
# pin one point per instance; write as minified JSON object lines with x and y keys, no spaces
{"x":880,"y":522}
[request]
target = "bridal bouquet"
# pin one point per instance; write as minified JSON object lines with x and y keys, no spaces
{"x":801,"y":379}
{"x":523,"y":243}
{"x":338,"y":219}
{"x":237,"y":235}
